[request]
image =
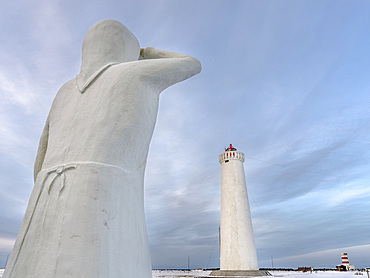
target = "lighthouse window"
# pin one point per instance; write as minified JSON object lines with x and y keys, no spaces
{"x":226,"y":161}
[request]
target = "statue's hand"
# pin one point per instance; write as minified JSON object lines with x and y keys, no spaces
{"x":165,"y":68}
{"x":141,"y":57}
{"x":148,"y":53}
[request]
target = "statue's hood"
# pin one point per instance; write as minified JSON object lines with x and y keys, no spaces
{"x":107,"y":42}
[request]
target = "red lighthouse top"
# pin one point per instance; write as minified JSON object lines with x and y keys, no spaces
{"x":230,"y":148}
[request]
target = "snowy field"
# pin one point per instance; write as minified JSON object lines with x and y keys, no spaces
{"x":290,"y":274}
{"x":319,"y":274}
{"x":179,"y":273}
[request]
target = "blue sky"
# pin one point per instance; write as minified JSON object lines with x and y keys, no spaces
{"x":287,"y":82}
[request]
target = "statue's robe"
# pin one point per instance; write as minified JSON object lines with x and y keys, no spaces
{"x":85,"y":217}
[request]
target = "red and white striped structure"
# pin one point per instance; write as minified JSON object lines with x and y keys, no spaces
{"x":345,"y":260}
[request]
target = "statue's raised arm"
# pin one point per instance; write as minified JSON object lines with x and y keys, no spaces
{"x":165,"y":68}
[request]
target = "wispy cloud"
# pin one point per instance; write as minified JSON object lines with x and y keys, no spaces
{"x":348,"y":192}
{"x":6,"y":245}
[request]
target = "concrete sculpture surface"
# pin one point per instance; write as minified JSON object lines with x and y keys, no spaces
{"x":85,"y":216}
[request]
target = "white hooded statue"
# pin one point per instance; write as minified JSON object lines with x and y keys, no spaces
{"x":85,"y":216}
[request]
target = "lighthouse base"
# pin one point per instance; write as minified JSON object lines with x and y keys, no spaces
{"x":238,"y":273}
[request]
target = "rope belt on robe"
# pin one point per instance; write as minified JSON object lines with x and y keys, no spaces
{"x":59,"y":171}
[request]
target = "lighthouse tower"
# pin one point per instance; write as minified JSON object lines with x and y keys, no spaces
{"x":238,"y":250}
{"x":238,"y":255}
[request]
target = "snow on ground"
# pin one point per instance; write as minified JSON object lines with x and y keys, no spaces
{"x":290,"y":274}
{"x":179,"y":273}
{"x":319,"y":274}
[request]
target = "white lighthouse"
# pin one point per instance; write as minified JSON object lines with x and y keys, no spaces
{"x":238,"y":256}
